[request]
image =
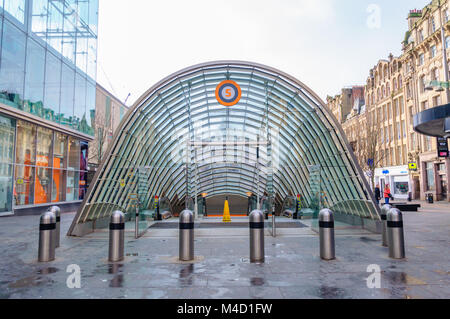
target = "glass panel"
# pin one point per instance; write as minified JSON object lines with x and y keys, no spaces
{"x":55,"y":22}
{"x":26,"y":143}
{"x":90,"y":108}
{"x":67,"y":95}
{"x":80,"y":104}
{"x":24,"y":185}
{"x":34,"y":79}
{"x":16,"y":8}
{"x":39,"y":16}
{"x":12,"y":71}
{"x":74,"y":154}
{"x":52,"y":87}
{"x":44,"y":147}
{"x":60,"y":150}
{"x":58,"y":188}
{"x":7,"y":133}
{"x":72,"y":189}
{"x":42,"y":187}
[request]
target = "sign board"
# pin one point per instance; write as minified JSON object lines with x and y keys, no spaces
{"x":20,"y":181}
{"x":228,"y":93}
{"x":412,"y":166}
{"x":386,"y":172}
{"x":122,"y":183}
{"x":442,"y":146}
{"x":370,"y":162}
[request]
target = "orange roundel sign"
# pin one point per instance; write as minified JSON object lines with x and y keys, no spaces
{"x":228,"y":93}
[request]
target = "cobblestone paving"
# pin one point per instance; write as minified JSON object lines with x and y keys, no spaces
{"x":292,"y":269}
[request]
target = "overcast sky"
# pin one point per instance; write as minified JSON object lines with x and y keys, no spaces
{"x":326,"y":44}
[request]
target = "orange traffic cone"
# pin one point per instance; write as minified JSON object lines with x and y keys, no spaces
{"x":226,"y":213}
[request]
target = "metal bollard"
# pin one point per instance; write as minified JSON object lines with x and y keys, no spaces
{"x":57,"y":211}
{"x":396,"y":239}
{"x":47,"y":229}
{"x":384,"y":211}
{"x":186,"y":251}
{"x":256,"y":224}
{"x":116,"y":236}
{"x":326,"y":234}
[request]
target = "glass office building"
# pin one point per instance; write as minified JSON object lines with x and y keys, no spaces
{"x":48,"y":53}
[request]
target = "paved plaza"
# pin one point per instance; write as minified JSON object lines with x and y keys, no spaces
{"x":222,"y":269}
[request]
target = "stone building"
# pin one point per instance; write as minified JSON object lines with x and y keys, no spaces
{"x":397,"y":89}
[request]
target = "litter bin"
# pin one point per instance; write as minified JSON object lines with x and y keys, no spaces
{"x":430,"y":198}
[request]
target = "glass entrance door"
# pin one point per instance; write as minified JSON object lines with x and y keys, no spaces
{"x":7,"y":139}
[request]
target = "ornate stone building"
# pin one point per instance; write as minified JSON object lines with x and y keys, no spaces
{"x":396,"y":90}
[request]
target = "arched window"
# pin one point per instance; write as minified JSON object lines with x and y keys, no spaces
{"x":388,"y":89}
{"x":400,"y":84}
{"x":395,"y":84}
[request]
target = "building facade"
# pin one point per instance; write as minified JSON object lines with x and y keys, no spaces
{"x":397,"y":89}
{"x":48,"y":54}
{"x":109,"y":112}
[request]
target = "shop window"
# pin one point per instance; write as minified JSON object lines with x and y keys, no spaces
{"x":58,"y":189}
{"x":24,"y":185}
{"x":26,"y":143}
{"x":60,"y":151}
{"x":74,"y":154}
{"x":7,"y":137}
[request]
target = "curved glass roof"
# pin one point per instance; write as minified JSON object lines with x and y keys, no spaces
{"x":178,"y":141}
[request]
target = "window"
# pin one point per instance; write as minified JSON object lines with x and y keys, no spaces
{"x":433,"y":51}
{"x":12,"y":66}
{"x":422,"y":84}
{"x":404,"y":129}
{"x":437,"y":100}
{"x":42,"y":184}
{"x":25,"y":161}
{"x":7,"y":138}
{"x":16,"y":8}
{"x":424,"y":105}
{"x":433,"y":25}
{"x":421,"y":59}
{"x":395,"y":84}
{"x":420,"y":33}
{"x":447,"y":42}
{"x":430,"y":176}
{"x":399,"y":132}
{"x":435,"y":74}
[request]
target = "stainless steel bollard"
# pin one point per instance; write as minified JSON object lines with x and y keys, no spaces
{"x":47,"y":229}
{"x":186,"y":251}
{"x":57,"y":211}
{"x":326,"y":234}
{"x":116,"y":236}
{"x":256,"y":224}
{"x":396,"y":239}
{"x":384,"y":211}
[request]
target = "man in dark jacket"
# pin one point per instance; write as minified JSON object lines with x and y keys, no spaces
{"x":377,"y":194}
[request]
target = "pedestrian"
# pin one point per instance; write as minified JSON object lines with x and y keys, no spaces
{"x":387,"y":194}
{"x":377,"y":194}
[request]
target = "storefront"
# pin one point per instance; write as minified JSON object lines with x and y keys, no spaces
{"x":397,"y":178}
{"x":39,"y":166}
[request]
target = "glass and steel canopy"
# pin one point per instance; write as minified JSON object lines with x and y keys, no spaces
{"x":181,"y":142}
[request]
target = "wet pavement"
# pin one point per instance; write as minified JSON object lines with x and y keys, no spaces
{"x":222,"y":269}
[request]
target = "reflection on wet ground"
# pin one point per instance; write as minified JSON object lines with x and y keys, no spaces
{"x":185,"y":277}
{"x":330,"y":292}
{"x":257,"y":281}
{"x":117,"y":281}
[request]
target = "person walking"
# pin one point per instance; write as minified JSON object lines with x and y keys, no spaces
{"x":387,"y":194}
{"x":377,"y":194}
